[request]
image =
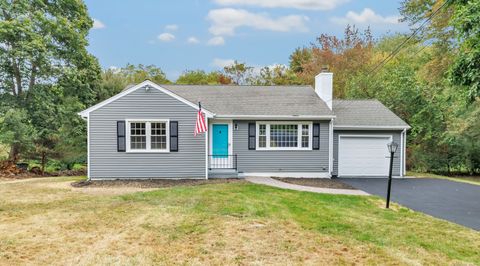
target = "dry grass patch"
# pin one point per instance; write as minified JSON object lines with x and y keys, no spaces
{"x":46,"y":222}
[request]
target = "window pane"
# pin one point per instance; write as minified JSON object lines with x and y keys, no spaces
{"x":138,"y":139}
{"x":284,"y":136}
{"x":138,"y":143}
{"x":305,"y":136}
{"x":304,"y":142}
{"x":262,"y":136}
{"x":262,"y":130}
{"x":158,"y":139}
{"x":262,"y":141}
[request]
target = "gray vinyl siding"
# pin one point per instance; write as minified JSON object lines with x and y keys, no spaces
{"x":396,"y":137}
{"x":255,"y":161}
{"x":106,"y":162}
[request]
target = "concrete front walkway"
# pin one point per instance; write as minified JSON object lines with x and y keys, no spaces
{"x":279,"y":184}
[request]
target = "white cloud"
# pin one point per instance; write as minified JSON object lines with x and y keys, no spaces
{"x":367,"y":16}
{"x":193,"y":40}
{"x":226,"y":20}
{"x":166,"y":37}
{"x":221,"y":63}
{"x":298,"y":4}
{"x":97,"y":24}
{"x":216,"y":41}
{"x":171,"y":27}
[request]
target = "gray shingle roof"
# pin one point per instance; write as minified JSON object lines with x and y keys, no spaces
{"x":368,"y":113}
{"x":254,"y":100}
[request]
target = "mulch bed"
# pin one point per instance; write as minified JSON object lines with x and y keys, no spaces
{"x":154,"y":183}
{"x":315,"y":182}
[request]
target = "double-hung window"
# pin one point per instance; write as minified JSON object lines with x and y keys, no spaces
{"x":284,"y":135}
{"x":147,"y":135}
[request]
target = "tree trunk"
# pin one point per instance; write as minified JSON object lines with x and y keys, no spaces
{"x":13,"y":154}
{"x":18,"y":76}
{"x":44,"y":160}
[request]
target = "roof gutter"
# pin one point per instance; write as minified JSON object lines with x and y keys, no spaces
{"x":372,"y":127}
{"x":284,"y":117}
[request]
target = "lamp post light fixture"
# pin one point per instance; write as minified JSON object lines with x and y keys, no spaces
{"x":392,"y":148}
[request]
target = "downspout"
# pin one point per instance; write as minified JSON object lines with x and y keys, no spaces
{"x":330,"y":148}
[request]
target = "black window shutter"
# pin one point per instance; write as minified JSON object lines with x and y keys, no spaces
{"x":121,"y":136}
{"x":316,"y":136}
{"x":252,"y":130}
{"x":173,"y":135}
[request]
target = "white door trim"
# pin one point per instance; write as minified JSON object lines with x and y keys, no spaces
{"x":229,"y":123}
{"x":390,"y":137}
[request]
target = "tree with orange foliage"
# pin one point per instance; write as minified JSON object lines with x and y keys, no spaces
{"x":345,"y":57}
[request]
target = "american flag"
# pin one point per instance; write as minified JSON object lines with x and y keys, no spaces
{"x":200,"y":126}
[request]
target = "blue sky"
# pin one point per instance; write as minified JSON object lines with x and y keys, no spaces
{"x":208,"y":34}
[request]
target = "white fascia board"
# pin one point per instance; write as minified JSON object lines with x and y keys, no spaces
{"x":371,"y":127}
{"x":149,"y":83}
{"x":277,"y":117}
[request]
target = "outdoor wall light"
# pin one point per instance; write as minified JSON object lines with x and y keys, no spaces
{"x":392,"y":147}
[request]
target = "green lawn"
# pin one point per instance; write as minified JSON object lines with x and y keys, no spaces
{"x":475,"y":180}
{"x":45,"y":221}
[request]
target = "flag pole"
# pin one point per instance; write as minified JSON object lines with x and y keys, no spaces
{"x":199,"y":106}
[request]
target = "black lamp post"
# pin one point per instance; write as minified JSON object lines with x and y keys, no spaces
{"x":392,"y":148}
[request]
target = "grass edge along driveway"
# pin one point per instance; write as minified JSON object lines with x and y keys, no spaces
{"x":46,"y":221}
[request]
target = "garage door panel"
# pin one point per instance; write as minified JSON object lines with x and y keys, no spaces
{"x":363,"y":156}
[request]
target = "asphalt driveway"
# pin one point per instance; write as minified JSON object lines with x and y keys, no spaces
{"x":445,"y":199}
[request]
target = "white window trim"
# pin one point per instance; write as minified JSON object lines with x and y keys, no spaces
{"x":299,"y":136}
{"x":148,"y":135}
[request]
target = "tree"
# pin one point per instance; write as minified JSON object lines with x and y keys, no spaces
{"x":345,"y":57}
{"x":438,"y":30}
{"x":114,"y":80}
{"x":201,"y":77}
{"x":239,"y":73}
{"x":136,"y":74}
{"x":466,"y":69}
{"x":39,"y":40}
{"x":276,"y":75}
{"x":43,"y":48}
{"x":300,"y":57}
{"x":17,"y":131}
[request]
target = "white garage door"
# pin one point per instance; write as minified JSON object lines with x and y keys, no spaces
{"x":363,"y":155}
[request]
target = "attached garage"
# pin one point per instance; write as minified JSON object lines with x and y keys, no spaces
{"x":363,"y":155}
{"x":361,"y":132}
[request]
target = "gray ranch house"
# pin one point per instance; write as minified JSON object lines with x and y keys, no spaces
{"x":147,"y":131}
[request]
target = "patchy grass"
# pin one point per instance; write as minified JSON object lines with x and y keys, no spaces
{"x":475,"y":180}
{"x":46,"y":221}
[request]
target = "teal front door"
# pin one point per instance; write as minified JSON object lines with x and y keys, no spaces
{"x":220,"y":140}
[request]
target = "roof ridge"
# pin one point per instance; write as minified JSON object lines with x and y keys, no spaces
{"x":356,"y":100}
{"x":234,"y":85}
